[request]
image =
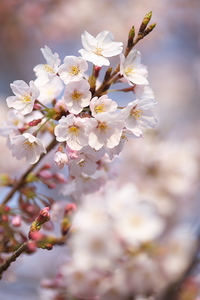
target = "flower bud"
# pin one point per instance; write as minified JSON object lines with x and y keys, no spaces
{"x":16,"y":221}
{"x":34,"y":122}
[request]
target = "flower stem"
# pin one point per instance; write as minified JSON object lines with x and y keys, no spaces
{"x":21,"y":181}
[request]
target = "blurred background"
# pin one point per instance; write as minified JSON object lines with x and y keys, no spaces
{"x":171,"y":53}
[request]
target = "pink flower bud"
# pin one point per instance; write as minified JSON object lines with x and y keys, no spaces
{"x":60,"y":178}
{"x":70,"y":207}
{"x":72,"y":153}
{"x":16,"y":221}
{"x":45,"y":174}
{"x":60,"y":159}
{"x":34,"y":122}
{"x":32,"y":246}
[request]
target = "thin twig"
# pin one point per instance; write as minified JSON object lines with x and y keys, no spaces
{"x":21,"y":181}
{"x":5,"y":265}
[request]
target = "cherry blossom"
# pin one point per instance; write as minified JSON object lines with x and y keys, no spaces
{"x":99,"y":47}
{"x":73,"y":69}
{"x":60,"y":159}
{"x":138,"y":113}
{"x":47,"y":71}
{"x":102,"y":105}
{"x":72,"y":130}
{"x":50,"y":91}
{"x":25,"y":96}
{"x":27,"y":146}
{"x":104,"y":130}
{"x":77,"y":95}
{"x":132,"y":69}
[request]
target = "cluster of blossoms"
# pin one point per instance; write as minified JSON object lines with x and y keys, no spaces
{"x":75,"y":109}
{"x":120,"y":245}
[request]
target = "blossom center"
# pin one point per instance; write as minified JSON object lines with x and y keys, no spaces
{"x":100,"y":108}
{"x":74,"y":70}
{"x":129,"y":70}
{"x":48,"y":69}
{"x":26,"y":98}
{"x":81,"y":163}
{"x":28,"y":145}
{"x":136,"y":221}
{"x":103,"y":127}
{"x":76,"y":95}
{"x":98,"y":51}
{"x":73,"y":130}
{"x":136,"y":113}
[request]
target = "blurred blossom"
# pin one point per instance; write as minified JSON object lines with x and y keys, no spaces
{"x":139,"y":258}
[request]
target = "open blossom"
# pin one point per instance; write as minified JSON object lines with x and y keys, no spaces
{"x":138,"y":113}
{"x":143,"y":92}
{"x":102,"y":105}
{"x":82,"y":164}
{"x":25,"y":96}
{"x":132,"y":69}
{"x":77,"y":95}
{"x":73,"y":69}
{"x":72,"y":130}
{"x":28,"y":146}
{"x":99,"y":47}
{"x":104,"y":130}
{"x":60,"y":159}
{"x":50,"y":91}
{"x":15,"y":121}
{"x":47,"y":71}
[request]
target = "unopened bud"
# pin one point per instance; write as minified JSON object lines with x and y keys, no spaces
{"x":150,"y":28}
{"x":107,"y":75}
{"x":96,"y":71}
{"x":69,"y":208}
{"x":131,"y":37}
{"x":45,"y":174}
{"x":60,"y":177}
{"x":145,"y":22}
{"x":36,"y":106}
{"x":16,"y":221}
{"x":34,"y":122}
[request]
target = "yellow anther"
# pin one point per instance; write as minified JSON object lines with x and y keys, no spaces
{"x":28,"y":145}
{"x":100,"y":108}
{"x":26,"y":98}
{"x":74,"y":70}
{"x":49,"y":69}
{"x":81,"y":163}
{"x":136,"y":113}
{"x":129,"y":71}
{"x":73,"y":130}
{"x":77,"y":95}
{"x":103,"y":127}
{"x":98,"y":51}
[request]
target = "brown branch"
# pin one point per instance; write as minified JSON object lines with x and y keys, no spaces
{"x":5,"y":265}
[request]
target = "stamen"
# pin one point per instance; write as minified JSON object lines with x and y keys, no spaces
{"x":73,"y":130}
{"x":28,"y":145}
{"x":48,"y":69}
{"x":82,"y":163}
{"x":77,"y":95}
{"x":98,"y":51}
{"x":26,"y":98}
{"x":100,"y":108}
{"x":129,"y":70}
{"x":136,"y":113}
{"x":103,"y":127}
{"x":74,"y":70}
